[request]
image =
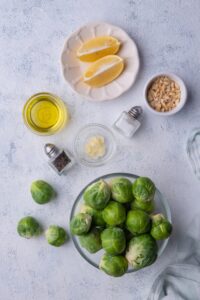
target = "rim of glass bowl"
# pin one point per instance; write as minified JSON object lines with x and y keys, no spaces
{"x":96,"y":163}
{"x":162,"y":199}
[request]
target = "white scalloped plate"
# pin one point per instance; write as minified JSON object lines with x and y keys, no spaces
{"x":73,"y":68}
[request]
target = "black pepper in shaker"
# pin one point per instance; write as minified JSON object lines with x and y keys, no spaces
{"x":59,"y":159}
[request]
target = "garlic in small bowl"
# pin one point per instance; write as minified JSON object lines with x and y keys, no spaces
{"x":94,"y":145}
{"x":165,"y":94}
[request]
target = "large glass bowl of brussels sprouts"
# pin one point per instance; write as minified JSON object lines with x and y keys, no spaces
{"x":120,"y":223}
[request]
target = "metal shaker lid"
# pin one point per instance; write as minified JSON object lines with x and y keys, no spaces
{"x":135,"y":112}
{"x":51,"y":150}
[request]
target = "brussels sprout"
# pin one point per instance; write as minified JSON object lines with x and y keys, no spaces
{"x":113,"y":265}
{"x":97,"y":195}
{"x":97,"y":218}
{"x":147,"y":206}
{"x":113,"y":240}
{"x":91,"y":241}
{"x":161,"y":227}
{"x":55,"y":235}
{"x":143,"y":189}
{"x":142,"y":251}
{"x":41,"y":191}
{"x":114,"y":213}
{"x":80,"y":224}
{"x":138,"y":221}
{"x":28,"y":227}
{"x":121,"y":190}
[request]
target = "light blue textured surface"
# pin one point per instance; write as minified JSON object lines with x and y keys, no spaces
{"x":32,"y":34}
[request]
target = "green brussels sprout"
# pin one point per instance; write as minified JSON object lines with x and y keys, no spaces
{"x":55,"y":235}
{"x":147,"y":206}
{"x":161,"y":227}
{"x":41,"y":191}
{"x":143,"y":189}
{"x":113,"y":265}
{"x":97,"y":195}
{"x":80,"y":224}
{"x":113,"y":240}
{"x":142,"y":251}
{"x":28,"y":227}
{"x":121,"y":190}
{"x":91,"y":241}
{"x":114,"y":213}
{"x":138,"y":222}
{"x":97,"y":218}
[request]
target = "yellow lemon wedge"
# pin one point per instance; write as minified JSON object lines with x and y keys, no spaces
{"x":103,"y":71}
{"x":98,"y":47}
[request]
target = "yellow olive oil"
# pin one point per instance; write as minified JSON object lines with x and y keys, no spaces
{"x":45,"y":114}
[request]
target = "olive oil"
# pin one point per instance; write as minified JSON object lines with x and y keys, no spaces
{"x":45,"y":114}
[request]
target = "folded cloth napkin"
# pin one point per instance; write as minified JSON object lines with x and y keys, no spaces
{"x":181,"y":281}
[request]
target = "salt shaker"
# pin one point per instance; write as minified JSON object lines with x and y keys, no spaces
{"x":129,"y":122}
{"x":59,"y":159}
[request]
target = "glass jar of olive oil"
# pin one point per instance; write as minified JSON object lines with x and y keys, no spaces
{"x":45,"y":114}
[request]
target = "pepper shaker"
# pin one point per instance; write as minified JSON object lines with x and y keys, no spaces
{"x":59,"y":159}
{"x":129,"y":122}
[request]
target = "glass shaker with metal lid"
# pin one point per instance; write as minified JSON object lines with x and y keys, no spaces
{"x":60,"y":160}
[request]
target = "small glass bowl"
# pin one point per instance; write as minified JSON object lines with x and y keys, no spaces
{"x":85,"y":134}
{"x":63,"y":114}
{"x":161,"y":206}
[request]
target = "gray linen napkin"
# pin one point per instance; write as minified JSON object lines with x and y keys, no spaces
{"x":181,"y":281}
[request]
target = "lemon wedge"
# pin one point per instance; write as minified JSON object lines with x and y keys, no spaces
{"x":97,"y":48}
{"x":103,"y":71}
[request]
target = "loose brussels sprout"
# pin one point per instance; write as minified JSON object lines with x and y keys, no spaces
{"x":80,"y":224}
{"x":41,"y":191}
{"x":113,"y":240}
{"x":97,"y":218}
{"x":142,"y":251}
{"x":121,"y":190}
{"x":55,"y":235}
{"x":138,"y":221}
{"x":97,"y":195}
{"x":161,"y":227}
{"x":91,"y":241}
{"x":28,"y":227}
{"x":113,"y":265}
{"x":147,"y":206}
{"x":114,"y":213}
{"x":143,"y":189}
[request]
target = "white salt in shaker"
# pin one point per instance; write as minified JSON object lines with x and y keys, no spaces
{"x":129,"y":122}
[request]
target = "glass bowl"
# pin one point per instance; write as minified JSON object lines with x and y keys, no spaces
{"x":45,"y":114}
{"x":85,"y":134}
{"x":161,"y":206}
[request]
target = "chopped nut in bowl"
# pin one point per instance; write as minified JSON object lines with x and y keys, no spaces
{"x":165,"y":94}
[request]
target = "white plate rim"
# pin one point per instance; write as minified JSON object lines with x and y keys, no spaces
{"x":137,"y":59}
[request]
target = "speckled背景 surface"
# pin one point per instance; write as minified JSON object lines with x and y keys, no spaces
{"x":32,"y":37}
